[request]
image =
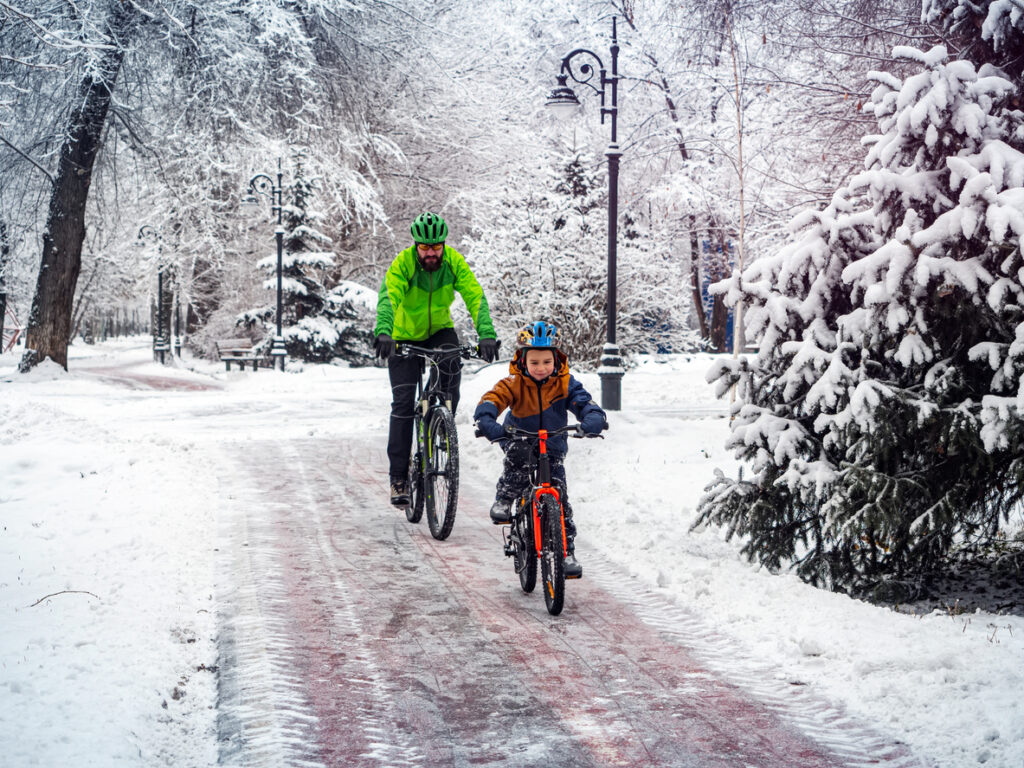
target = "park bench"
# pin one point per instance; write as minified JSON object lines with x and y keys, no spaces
{"x":237,"y":351}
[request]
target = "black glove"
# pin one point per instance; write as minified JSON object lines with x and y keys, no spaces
{"x":383,"y":346}
{"x":488,"y":349}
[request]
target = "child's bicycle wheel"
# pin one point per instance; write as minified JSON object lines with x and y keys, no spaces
{"x":524,"y":556}
{"x":552,"y":556}
{"x":441,"y":478}
{"x":414,"y":512}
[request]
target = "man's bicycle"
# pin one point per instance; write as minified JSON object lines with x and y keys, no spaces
{"x":537,"y":530}
{"x":434,"y":482}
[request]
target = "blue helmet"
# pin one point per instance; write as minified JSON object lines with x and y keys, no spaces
{"x":537,"y":335}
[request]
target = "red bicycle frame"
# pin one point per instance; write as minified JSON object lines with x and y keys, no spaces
{"x":545,"y":489}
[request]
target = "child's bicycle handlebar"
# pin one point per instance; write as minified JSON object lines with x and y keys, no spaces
{"x":517,"y":433}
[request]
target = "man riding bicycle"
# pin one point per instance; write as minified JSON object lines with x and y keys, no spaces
{"x":414,"y":305}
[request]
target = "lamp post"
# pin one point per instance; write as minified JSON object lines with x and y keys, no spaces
{"x":266,"y":186}
{"x":563,"y":102}
{"x":151,"y":235}
{"x":177,"y":326}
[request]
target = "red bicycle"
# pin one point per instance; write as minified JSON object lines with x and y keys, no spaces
{"x":537,"y":530}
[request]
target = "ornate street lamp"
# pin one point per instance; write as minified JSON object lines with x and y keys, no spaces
{"x":149,"y":235}
{"x":177,"y":326}
{"x":563,"y":102}
{"x":264,"y":185}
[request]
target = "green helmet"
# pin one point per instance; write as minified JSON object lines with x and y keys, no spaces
{"x":429,"y":228}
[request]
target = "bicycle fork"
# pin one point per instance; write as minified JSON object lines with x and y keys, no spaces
{"x":545,"y":489}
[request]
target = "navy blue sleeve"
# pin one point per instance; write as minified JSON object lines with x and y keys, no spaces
{"x":590,"y":415}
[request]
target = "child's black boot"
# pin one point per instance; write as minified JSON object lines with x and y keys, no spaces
{"x":501,"y":512}
{"x":572,"y":567}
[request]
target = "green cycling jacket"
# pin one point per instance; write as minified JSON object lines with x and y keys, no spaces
{"x":413,"y":304}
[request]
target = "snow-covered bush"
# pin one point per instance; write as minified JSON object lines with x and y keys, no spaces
{"x":882,"y":418}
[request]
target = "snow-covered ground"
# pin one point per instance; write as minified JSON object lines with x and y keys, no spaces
{"x":108,"y":517}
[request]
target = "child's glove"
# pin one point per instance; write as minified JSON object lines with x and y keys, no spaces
{"x":593,"y":423}
{"x":490,"y":429}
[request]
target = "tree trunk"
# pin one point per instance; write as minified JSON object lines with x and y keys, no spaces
{"x":698,"y":301}
{"x":662,"y":85}
{"x":719,"y":325}
{"x":5,"y":251}
{"x":49,"y":322}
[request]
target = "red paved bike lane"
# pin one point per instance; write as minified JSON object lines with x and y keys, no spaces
{"x":398,"y":650}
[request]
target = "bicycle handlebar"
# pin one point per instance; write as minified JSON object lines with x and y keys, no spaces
{"x":466,"y":351}
{"x":518,"y":433}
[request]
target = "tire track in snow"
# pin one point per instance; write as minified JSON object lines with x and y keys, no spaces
{"x":284,"y":713}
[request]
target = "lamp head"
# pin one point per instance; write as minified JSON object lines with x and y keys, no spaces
{"x":562,"y":99}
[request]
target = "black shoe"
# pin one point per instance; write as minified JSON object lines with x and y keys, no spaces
{"x":400,"y":492}
{"x":500,"y":512}
{"x":571,"y":567}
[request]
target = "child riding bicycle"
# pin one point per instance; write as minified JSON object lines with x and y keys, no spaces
{"x":538,"y":393}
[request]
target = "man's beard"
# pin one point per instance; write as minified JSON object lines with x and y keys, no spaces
{"x":430,"y":263}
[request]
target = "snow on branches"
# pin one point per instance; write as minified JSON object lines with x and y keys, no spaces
{"x":883,"y":417}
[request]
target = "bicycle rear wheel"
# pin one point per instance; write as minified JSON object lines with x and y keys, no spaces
{"x":441,"y":480}
{"x":525,"y":553}
{"x":414,"y":512}
{"x":552,"y":556}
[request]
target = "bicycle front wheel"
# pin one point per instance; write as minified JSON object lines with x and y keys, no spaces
{"x":552,"y":556}
{"x":441,"y":481}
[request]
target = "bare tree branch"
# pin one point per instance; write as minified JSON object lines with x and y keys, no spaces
{"x":37,"y":165}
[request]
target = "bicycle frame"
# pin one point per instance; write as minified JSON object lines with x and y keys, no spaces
{"x":543,"y":545}
{"x":434,"y":464}
{"x":543,"y":488}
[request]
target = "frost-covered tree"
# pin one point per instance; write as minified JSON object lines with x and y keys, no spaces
{"x":549,"y":249}
{"x":982,"y":31}
{"x":877,"y":435}
{"x":124,"y":113}
{"x":546,"y":246}
{"x":319,"y":325}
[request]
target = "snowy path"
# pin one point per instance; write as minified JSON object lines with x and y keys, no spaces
{"x":351,"y":638}
{"x":348,"y":637}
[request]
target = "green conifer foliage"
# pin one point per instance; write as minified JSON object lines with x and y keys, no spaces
{"x":882,"y":418}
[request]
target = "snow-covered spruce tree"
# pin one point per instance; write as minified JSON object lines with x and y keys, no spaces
{"x":880,"y":326}
{"x":983,"y":31}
